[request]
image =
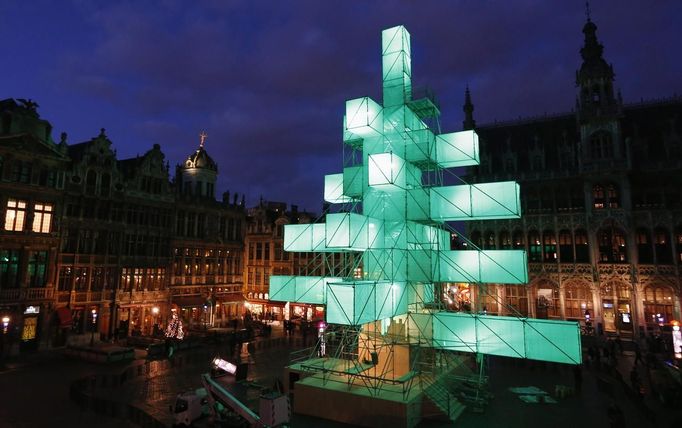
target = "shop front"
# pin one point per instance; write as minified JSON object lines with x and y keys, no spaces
{"x":63,"y":321}
{"x":227,"y":307}
{"x":457,"y":296}
{"x":30,"y":330}
{"x":617,"y":309}
{"x":196,"y":311}
{"x":305,"y":312}
{"x":140,"y":320}
{"x":262,"y":308}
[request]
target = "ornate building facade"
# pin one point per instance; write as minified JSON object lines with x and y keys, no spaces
{"x":32,"y":171}
{"x":93,"y":246}
{"x":600,"y":193}
{"x":207,"y":245}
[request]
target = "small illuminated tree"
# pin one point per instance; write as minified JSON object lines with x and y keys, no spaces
{"x":174,"y":328}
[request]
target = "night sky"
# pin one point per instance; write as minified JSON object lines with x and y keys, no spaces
{"x":267,"y":80}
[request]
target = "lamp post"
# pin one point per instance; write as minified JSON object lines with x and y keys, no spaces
{"x":155,"y":320}
{"x":5,"y":326}
{"x":94,"y":326}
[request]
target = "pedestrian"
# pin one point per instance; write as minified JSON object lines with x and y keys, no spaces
{"x":597,"y":361}
{"x":634,"y":376}
{"x":578,"y":377}
{"x":638,"y":354}
{"x":616,"y":417}
{"x":619,"y":344}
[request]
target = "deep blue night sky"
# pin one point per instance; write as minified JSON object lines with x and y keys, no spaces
{"x":267,"y":80}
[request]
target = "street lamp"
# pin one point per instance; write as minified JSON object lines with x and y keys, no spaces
{"x":156,"y":326}
{"x":94,"y":327}
{"x":5,"y":324}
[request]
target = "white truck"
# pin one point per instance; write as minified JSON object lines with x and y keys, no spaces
{"x":213,"y":399}
{"x":189,"y":407}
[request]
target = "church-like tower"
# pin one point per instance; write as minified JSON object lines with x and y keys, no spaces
{"x":468,"y":123}
{"x":598,"y":107}
{"x":197,"y":176}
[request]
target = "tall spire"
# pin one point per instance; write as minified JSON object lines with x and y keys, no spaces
{"x":587,"y":10}
{"x":594,"y":65}
{"x":468,"y":122}
{"x":202,"y":139}
{"x":595,"y":77}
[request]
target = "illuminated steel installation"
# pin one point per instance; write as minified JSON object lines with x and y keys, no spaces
{"x":395,"y":209}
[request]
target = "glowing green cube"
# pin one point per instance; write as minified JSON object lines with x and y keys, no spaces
{"x":333,"y":189}
{"x":364,"y":117}
{"x":457,"y":149}
{"x":484,"y":201}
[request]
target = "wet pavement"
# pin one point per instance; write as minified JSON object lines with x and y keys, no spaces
{"x":39,"y":392}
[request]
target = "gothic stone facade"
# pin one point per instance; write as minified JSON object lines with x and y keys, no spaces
{"x":602,"y":217}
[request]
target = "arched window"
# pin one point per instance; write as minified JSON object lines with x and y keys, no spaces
{"x":612,"y":247}
{"x":505,"y":240}
{"x":476,"y":239}
{"x":598,"y":200}
{"x":582,"y":247}
{"x":104,"y":185}
{"x":91,"y":182}
{"x":601,"y":145}
{"x":566,"y":246}
{"x":644,"y":250}
{"x":577,"y":300}
{"x":518,"y":241}
{"x":516,"y":297}
{"x":662,"y":246}
{"x":613,"y":196}
{"x":658,"y":303}
{"x":536,"y":163}
{"x":549,"y":246}
{"x":547,"y":303}
{"x":487,"y":299}
{"x":534,"y":247}
{"x":509,"y":165}
{"x":596,"y":95}
{"x":530,"y":198}
{"x":577,"y":197}
{"x":489,"y":243}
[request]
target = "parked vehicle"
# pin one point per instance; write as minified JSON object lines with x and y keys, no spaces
{"x":189,"y":407}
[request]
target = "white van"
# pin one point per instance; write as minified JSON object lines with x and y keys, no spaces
{"x":190,"y":406}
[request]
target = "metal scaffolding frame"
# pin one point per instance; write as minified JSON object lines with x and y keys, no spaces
{"x":393,"y":210}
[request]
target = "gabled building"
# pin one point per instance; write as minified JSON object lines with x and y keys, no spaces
{"x":115,"y":234}
{"x":32,"y":171}
{"x":207,"y":245}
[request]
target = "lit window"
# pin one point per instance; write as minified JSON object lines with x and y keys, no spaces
{"x":15,"y":215}
{"x":598,"y":196}
{"x":42,"y":218}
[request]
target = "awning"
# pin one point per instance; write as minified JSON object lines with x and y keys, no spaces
{"x":64,"y":315}
{"x":232,"y":297}
{"x":189,"y":301}
{"x":257,"y":301}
